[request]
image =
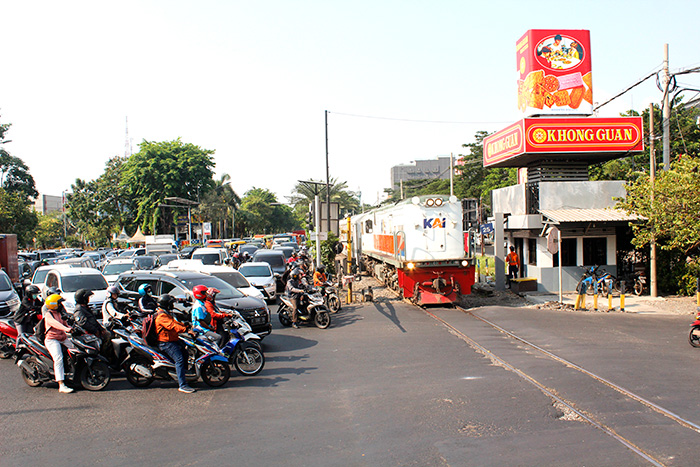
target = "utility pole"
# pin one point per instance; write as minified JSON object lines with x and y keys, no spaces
{"x":328,"y":180}
{"x":452,"y":172}
{"x":652,"y":177}
{"x":666,"y":122}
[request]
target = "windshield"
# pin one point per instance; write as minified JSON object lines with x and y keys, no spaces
{"x":5,"y":283}
{"x":114,"y":269}
{"x":207,"y":258}
{"x":226,"y":290}
{"x":146,"y":262}
{"x":83,"y":281}
{"x":40,"y":276}
{"x":233,"y":278}
{"x":272,"y":260}
{"x":127,"y":253}
{"x":255,"y":271}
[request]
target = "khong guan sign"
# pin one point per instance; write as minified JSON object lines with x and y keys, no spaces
{"x":593,"y":139}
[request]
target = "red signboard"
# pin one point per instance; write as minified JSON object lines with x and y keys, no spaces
{"x":554,"y":72}
{"x":593,"y":139}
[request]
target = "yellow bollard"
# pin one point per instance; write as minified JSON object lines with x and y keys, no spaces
{"x":595,"y":302}
{"x":610,"y":307}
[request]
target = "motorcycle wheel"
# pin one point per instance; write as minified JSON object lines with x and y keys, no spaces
{"x":638,"y":288}
{"x":333,"y":303}
{"x":249,"y":360}
{"x":136,"y":379}
{"x":215,"y":373}
{"x":7,"y":347}
{"x":283,"y":314}
{"x":32,"y":379}
{"x":95,"y":378}
{"x":322,"y":319}
{"x":694,"y":337}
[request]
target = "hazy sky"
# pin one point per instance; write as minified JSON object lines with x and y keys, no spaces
{"x":252,"y":79}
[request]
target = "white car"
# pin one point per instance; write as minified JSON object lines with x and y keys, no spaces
{"x":112,"y":269}
{"x":262,"y":277}
{"x":211,"y":256}
{"x":71,"y":280}
{"x":225,"y":273}
{"x":41,"y":272}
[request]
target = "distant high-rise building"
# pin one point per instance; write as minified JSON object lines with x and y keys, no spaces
{"x":45,"y":204}
{"x":421,"y":170}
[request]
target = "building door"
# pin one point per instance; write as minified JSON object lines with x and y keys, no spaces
{"x":520,"y":249}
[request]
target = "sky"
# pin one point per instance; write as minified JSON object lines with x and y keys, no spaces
{"x":252,"y":80}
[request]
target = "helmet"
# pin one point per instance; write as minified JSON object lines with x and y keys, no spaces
{"x":199,"y":292}
{"x":31,"y":290}
{"x":211,"y":293}
{"x":145,"y":289}
{"x":82,"y":296}
{"x":321,"y":268}
{"x":113,"y":289}
{"x":296,"y":274}
{"x":166,"y":302}
{"x":52,"y":301}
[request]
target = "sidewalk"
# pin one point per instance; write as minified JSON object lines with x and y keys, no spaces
{"x":633,"y":304}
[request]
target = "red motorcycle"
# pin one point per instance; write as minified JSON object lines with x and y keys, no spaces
{"x":694,"y":337}
{"x":8,"y":337}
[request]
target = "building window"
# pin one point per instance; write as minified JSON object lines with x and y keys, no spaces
{"x":368,"y":226}
{"x":568,"y":253}
{"x":532,"y":251}
{"x":595,"y":251}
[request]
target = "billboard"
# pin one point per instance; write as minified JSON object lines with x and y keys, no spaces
{"x":594,"y":139}
{"x":554,"y":72}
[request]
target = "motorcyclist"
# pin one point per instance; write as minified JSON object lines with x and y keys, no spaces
{"x":217,"y":317}
{"x":147,"y":303}
{"x":320,"y":277}
{"x":201,"y":319}
{"x":168,"y":329}
{"x":295,"y":290}
{"x":110,"y":308}
{"x":25,"y":317}
{"x":56,"y":329}
{"x":293,"y":258}
{"x":85,"y":318}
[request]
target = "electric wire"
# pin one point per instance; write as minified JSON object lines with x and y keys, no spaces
{"x":418,"y":121}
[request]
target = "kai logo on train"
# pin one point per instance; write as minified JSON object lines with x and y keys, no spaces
{"x":434,"y":223}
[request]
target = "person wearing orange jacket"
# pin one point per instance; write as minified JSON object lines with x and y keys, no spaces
{"x":513,"y":261}
{"x":168,"y":330}
{"x":320,"y":277}
{"x":217,"y":317}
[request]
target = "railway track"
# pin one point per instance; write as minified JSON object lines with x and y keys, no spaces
{"x":595,"y":414}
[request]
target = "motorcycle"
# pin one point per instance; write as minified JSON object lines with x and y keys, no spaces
{"x":603,"y":281}
{"x":204,"y":360}
{"x":243,"y":348}
{"x":330,"y":297}
{"x":84,"y":366}
{"x":8,"y":335}
{"x":694,"y":336}
{"x":311,"y":308}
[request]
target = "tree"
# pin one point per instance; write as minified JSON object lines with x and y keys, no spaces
{"x":165,"y":169}
{"x":49,"y":231}
{"x":220,"y":204}
{"x":16,"y":216}
{"x":261,"y":213}
{"x":303,"y":194}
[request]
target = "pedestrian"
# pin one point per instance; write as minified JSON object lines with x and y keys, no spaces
{"x":168,"y":330}
{"x":513,"y":262}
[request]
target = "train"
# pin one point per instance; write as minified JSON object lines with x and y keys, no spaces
{"x":417,"y":248}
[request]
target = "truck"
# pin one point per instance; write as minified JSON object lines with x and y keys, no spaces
{"x":160,"y":244}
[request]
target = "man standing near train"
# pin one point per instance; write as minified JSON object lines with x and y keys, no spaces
{"x":513,"y":262}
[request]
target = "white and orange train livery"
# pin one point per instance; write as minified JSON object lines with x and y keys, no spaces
{"x":416,"y":246}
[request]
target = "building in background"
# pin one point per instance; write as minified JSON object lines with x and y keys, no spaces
{"x":421,"y":170}
{"x":46,"y":204}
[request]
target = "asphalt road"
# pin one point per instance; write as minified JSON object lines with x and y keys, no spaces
{"x":389,"y":384}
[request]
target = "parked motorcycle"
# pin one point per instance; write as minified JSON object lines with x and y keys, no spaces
{"x":243,"y":348}
{"x":594,"y":281}
{"x":84,"y":366}
{"x":311,"y":309}
{"x":144,"y":363}
{"x":694,"y":336}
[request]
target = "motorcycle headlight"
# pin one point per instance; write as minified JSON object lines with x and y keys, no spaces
{"x":69,"y":306}
{"x":13,"y":304}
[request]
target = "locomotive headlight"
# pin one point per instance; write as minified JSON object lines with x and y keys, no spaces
{"x":453,"y":199}
{"x":465,"y":263}
{"x":415,"y":200}
{"x":438,"y":201}
{"x":411,"y":265}
{"x":430,"y":202}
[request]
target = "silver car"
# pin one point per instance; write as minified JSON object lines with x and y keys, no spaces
{"x":262,"y":277}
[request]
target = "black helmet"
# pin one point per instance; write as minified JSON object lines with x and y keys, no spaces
{"x":82,"y":296}
{"x":32,"y":290}
{"x":321,"y":268}
{"x":295,"y":274}
{"x":166,"y":302}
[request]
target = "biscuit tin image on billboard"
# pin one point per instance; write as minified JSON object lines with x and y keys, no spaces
{"x":554,"y":72}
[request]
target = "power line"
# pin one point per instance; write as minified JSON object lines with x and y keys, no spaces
{"x":418,"y":121}
{"x":626,"y":90}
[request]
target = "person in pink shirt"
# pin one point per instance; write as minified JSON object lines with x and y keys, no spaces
{"x":56,"y":329}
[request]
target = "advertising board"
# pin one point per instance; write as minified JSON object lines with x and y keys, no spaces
{"x":554,"y":72}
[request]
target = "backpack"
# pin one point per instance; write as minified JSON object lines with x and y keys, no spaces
{"x":40,"y":330}
{"x":148,"y":329}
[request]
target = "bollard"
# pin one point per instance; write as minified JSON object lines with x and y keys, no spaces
{"x":580,"y":298}
{"x":610,"y":284}
{"x":595,"y":297}
{"x":622,"y":296}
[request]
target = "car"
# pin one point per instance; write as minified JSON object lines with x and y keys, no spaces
{"x":167,"y":258}
{"x":180,"y":283}
{"x":226,"y":273}
{"x":70,"y":280}
{"x":277,"y":262}
{"x":40,"y":273}
{"x":146,"y":262}
{"x":214,"y":256}
{"x":9,"y":300}
{"x":286,"y":250}
{"x":186,"y":252}
{"x":294,"y":245}
{"x":46,"y":254}
{"x":81,"y":262}
{"x":249,"y":248}
{"x":132,"y":252}
{"x":262,"y":277}
{"x":112,"y":269}
{"x":97,"y":256}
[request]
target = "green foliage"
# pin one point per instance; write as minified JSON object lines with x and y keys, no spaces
{"x":49,"y":231}
{"x":303,"y":194}
{"x":260,"y":213}
{"x":17,"y":216}
{"x":328,"y":253}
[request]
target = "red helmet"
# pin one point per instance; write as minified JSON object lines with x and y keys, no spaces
{"x":211,"y":293}
{"x":199,"y":292}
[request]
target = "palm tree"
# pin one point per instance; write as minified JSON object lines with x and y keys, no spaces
{"x":222,"y":188}
{"x":303,"y":194}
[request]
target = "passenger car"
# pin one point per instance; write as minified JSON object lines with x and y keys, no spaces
{"x":225,"y":273}
{"x":70,"y":280}
{"x":211,"y":256}
{"x":277,"y":262}
{"x":117,"y":266}
{"x":262,"y":277}
{"x":286,"y":250}
{"x":132,"y":252}
{"x":146,"y":262}
{"x":9,"y":300}
{"x":179,"y":284}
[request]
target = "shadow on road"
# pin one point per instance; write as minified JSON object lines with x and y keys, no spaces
{"x":387,"y":309}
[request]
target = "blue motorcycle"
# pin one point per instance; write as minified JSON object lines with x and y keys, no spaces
{"x":243,"y":348}
{"x":593,"y":282}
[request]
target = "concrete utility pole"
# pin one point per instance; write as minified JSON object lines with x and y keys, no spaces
{"x":652,"y":177}
{"x":328,"y":181}
{"x":666,"y":122}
